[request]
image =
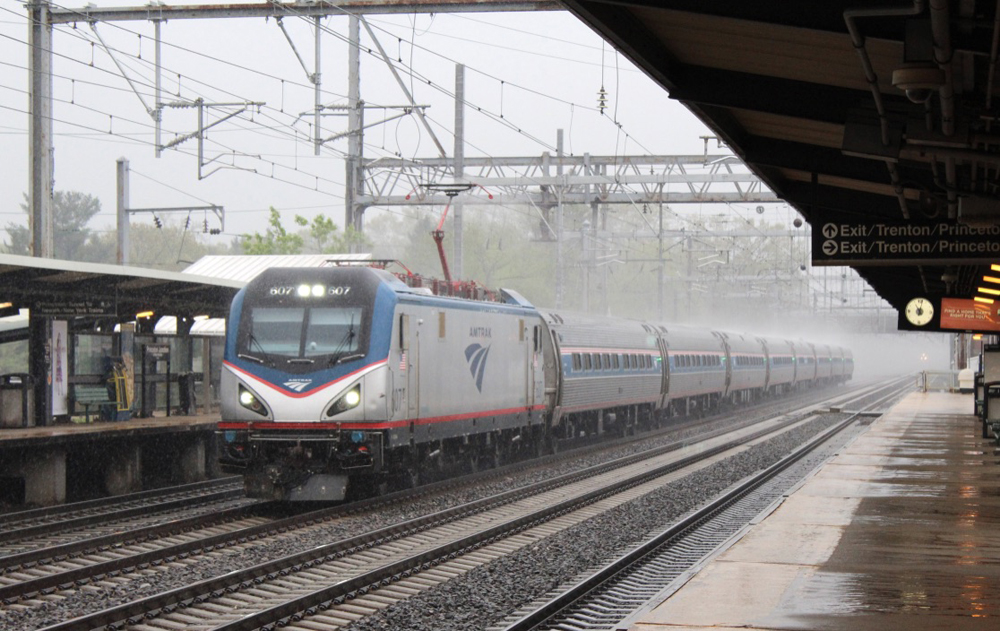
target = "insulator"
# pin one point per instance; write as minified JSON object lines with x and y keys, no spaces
{"x":602,"y":99}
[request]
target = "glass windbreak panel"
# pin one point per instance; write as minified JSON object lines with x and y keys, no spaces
{"x":276,"y":330}
{"x":89,"y":353}
{"x":333,"y":330}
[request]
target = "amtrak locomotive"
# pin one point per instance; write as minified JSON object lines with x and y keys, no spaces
{"x":346,"y":381}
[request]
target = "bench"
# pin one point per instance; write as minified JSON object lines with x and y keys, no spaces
{"x":88,"y":395}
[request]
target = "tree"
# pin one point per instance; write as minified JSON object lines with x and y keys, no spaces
{"x":406,"y":236}
{"x":324,"y":238}
{"x":72,"y":211}
{"x":321,"y":237}
{"x":171,"y":247}
{"x":275,"y":240}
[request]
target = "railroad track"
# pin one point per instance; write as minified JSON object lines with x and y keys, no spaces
{"x":52,"y":564}
{"x":405,"y":558}
{"x":604,"y":598}
{"x":45,"y":577}
{"x":47,"y":527}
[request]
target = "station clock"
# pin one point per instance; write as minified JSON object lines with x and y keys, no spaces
{"x":919,"y":311}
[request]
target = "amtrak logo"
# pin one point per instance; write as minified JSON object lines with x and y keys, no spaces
{"x":298,"y":386}
{"x":476,"y":355}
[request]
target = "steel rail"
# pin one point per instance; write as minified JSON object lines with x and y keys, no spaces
{"x":247,"y":579}
{"x":116,"y":500}
{"x":115,"y":543}
{"x":96,"y":571}
{"x":613,"y":572}
{"x":179,"y":551}
{"x":82,"y":575}
{"x":49,"y":528}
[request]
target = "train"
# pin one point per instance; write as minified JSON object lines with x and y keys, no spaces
{"x":341,"y":382}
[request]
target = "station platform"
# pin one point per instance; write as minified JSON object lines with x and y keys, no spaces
{"x":73,"y":432}
{"x":901,"y":530}
{"x":42,"y":466}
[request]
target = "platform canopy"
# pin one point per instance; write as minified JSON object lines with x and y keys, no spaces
{"x":74,"y":289}
{"x":874,"y":120}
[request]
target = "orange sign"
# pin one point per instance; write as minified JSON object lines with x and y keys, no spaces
{"x":969,"y":315}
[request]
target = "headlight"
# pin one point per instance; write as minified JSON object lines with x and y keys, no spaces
{"x":249,"y":401}
{"x":351,"y":399}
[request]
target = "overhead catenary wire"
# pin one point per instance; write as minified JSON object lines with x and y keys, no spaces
{"x":413,"y":43}
{"x":111,"y":131}
{"x":150,"y":143}
{"x":415,"y":75}
{"x":499,"y":117}
{"x":96,"y":110}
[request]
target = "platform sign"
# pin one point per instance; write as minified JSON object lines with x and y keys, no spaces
{"x":159,"y":351}
{"x":885,"y":243}
{"x":73,"y":308}
{"x":968,"y":315}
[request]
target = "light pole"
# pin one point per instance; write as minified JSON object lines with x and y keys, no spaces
{"x":586,"y":266}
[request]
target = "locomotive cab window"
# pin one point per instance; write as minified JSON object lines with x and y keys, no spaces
{"x":332,"y":330}
{"x":302,"y":324}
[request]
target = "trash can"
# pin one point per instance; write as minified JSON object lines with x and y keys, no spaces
{"x":978,"y":395}
{"x":991,"y":409}
{"x":17,"y":405}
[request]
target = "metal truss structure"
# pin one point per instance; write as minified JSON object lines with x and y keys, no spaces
{"x":547,"y":181}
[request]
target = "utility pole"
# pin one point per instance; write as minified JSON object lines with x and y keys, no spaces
{"x":560,"y":275}
{"x":690,"y":272}
{"x":354,"y":185}
{"x":584,"y":231}
{"x":659,"y":271}
{"x":459,"y":167}
{"x":40,"y":176}
{"x":122,"y":210}
{"x":157,"y":95}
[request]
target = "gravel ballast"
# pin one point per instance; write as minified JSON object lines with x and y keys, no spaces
{"x":473,"y":601}
{"x":486,"y":595}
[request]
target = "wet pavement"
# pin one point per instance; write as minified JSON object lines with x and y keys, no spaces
{"x":899,"y":531}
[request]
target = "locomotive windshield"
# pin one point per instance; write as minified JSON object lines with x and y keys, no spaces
{"x":305,"y":332}
{"x":305,"y":325}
